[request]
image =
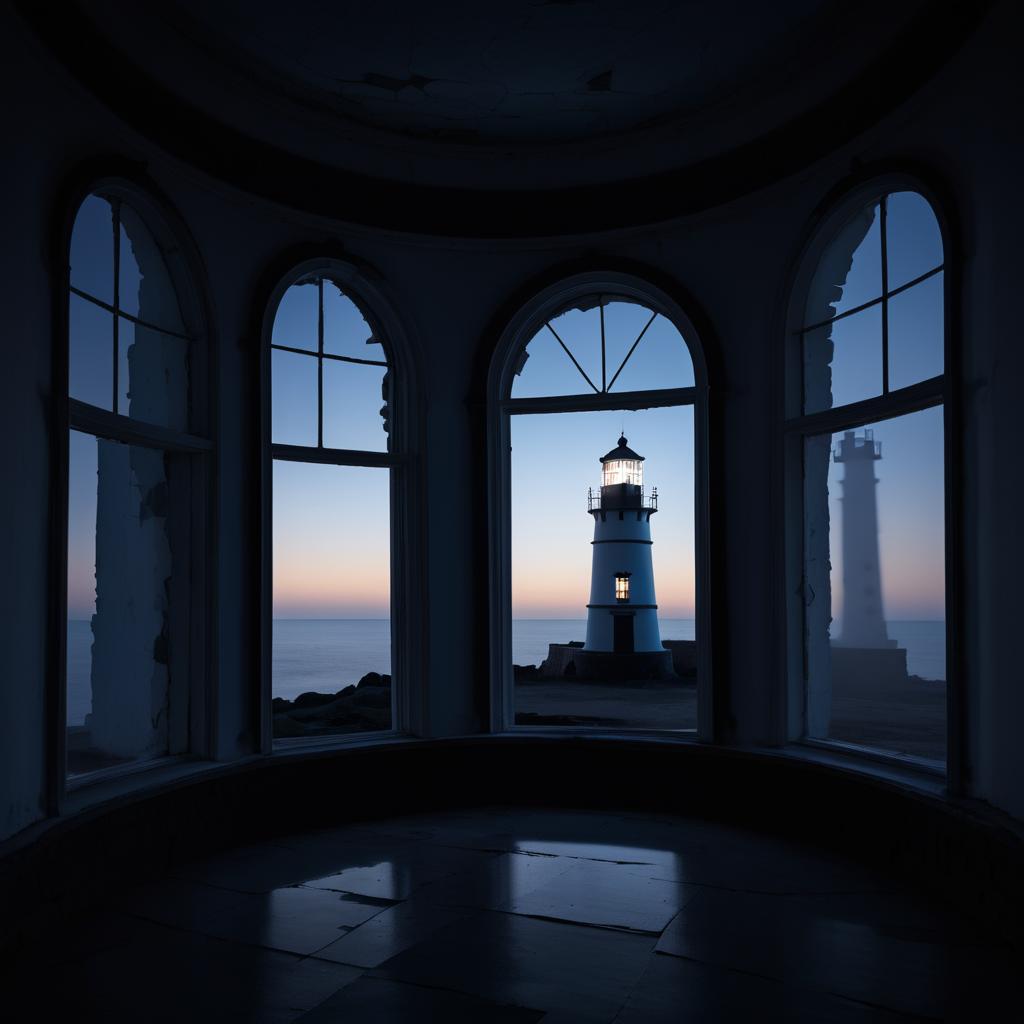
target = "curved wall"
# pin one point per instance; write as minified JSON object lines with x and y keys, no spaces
{"x":735,"y":258}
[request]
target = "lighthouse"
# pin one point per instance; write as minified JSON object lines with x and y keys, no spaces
{"x":863,"y":617}
{"x":623,"y":644}
{"x":622,"y":616}
{"x":865,"y":662}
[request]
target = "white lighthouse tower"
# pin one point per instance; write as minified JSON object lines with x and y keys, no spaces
{"x":863,"y":619}
{"x":622,"y":616}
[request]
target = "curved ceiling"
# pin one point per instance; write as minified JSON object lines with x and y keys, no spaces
{"x":511,"y":72}
{"x":458,"y":116}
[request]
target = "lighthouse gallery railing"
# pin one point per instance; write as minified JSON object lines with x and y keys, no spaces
{"x":647,"y":501}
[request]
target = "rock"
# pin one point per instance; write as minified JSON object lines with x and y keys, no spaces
{"x":372,"y":679}
{"x":285,"y":726}
{"x":373,"y":697}
{"x":345,"y":692}
{"x":312,"y":700}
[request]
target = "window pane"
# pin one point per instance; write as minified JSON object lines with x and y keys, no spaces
{"x":144,"y":287}
{"x":296,"y":322}
{"x":660,"y":360}
{"x":549,"y":370}
{"x":90,"y":353}
{"x":353,"y":399}
{"x":294,"y":400}
{"x":849,"y":272}
{"x":152,"y":375}
{"x":120,"y":705}
{"x":914,"y":240}
{"x":346,"y":332}
{"x":332,"y":599}
{"x":875,"y":587}
{"x":625,"y":676}
{"x":843,"y":361}
{"x":92,"y":249}
{"x":916,"y":336}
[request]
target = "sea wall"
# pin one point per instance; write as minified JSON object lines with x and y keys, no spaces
{"x":678,"y":658}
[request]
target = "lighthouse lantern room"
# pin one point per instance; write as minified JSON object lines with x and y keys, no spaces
{"x":622,"y":616}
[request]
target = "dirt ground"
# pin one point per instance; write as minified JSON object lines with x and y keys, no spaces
{"x":910,"y":719}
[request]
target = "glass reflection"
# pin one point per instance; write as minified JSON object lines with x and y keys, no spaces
{"x":875,"y":548}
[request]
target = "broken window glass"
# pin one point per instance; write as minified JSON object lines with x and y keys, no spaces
{"x":600,"y":345}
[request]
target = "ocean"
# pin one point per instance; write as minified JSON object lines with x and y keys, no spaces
{"x":328,"y":654}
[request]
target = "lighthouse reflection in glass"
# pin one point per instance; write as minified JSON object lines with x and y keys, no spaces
{"x":874,"y":595}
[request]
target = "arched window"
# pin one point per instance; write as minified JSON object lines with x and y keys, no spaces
{"x":866,"y":455}
{"x":133,"y":683}
{"x":337,"y":619}
{"x":598,"y":459}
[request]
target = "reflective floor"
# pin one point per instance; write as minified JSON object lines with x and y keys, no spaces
{"x":497,"y":915}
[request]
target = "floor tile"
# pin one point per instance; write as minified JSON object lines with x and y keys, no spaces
{"x":380,"y":1001}
{"x":830,"y":947}
{"x":492,"y":885}
{"x":294,"y":919}
{"x":393,"y":930}
{"x":397,"y":874}
{"x":674,"y":991}
{"x":526,"y":962}
{"x":606,"y":894}
{"x":141,"y":971}
{"x":268,"y":866}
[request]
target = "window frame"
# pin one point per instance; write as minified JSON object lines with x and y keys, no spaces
{"x":796,"y":425}
{"x":193,"y":450}
{"x":408,"y":658}
{"x":523,"y":326}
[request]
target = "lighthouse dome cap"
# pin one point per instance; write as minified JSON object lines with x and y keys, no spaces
{"x":622,"y":451}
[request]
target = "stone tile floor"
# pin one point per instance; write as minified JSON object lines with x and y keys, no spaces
{"x":515,"y":916}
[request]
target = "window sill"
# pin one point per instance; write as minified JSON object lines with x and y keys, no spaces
{"x":901,"y":770}
{"x":87,"y":791}
{"x":291,"y":746}
{"x":599,"y":733}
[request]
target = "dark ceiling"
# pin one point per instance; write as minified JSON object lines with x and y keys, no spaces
{"x":512,"y":72}
{"x":544,"y":114}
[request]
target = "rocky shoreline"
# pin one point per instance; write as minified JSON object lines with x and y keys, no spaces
{"x":362,"y":707}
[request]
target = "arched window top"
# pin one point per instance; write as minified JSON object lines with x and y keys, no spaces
{"x":867,"y":586}
{"x":872,"y":319}
{"x":597,"y":355}
{"x":603,"y":343}
{"x":330,"y":368}
{"x":129,"y":343}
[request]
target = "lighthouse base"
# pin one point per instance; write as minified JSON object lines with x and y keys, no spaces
{"x":867,"y":672}
{"x":569,"y":661}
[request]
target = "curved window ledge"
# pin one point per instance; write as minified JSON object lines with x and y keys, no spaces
{"x":908,"y":773}
{"x":336,"y":741}
{"x":92,"y":794}
{"x":872,"y":758}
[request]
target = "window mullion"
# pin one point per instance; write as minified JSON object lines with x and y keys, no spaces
{"x":116,"y":225}
{"x":320,"y":363}
{"x":883,"y":215}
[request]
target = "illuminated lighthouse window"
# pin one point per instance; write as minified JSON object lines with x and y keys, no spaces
{"x":622,"y":587}
{"x":622,"y":471}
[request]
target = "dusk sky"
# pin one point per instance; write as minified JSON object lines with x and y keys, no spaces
{"x":331,"y":530}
